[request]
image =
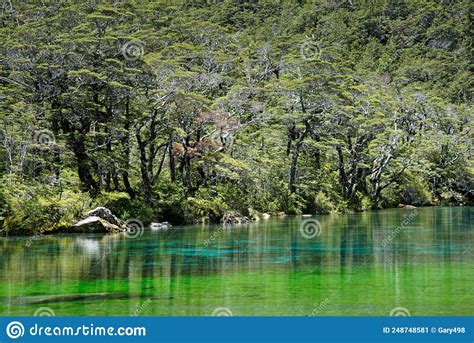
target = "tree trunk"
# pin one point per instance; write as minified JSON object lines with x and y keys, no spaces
{"x":88,"y":184}
{"x":342,"y":171}
{"x":147,"y":189}
{"x":126,"y":146}
{"x":128,"y":187}
{"x":294,"y":165}
{"x":186,"y":168}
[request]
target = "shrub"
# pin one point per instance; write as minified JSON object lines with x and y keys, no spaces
{"x":37,"y":207}
{"x":323,"y":203}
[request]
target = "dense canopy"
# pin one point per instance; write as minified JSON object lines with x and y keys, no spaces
{"x":185,"y":111}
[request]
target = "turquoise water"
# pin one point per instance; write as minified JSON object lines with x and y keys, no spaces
{"x":355,"y":264}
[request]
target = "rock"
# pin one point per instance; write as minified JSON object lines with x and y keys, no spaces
{"x":406,"y":206}
{"x":100,"y":220}
{"x":228,"y":219}
{"x":201,"y":220}
{"x":105,"y":214}
{"x":253,"y":214}
{"x":234,"y":219}
{"x":96,"y":224}
{"x":281,"y":214}
{"x":306,"y":215}
{"x":160,"y":226}
{"x":266,"y":215}
{"x":50,"y":299}
{"x":244,"y":220}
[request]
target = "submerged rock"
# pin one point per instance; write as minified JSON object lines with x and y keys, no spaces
{"x":51,"y":299}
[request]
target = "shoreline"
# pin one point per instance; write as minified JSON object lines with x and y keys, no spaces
{"x":65,"y":230}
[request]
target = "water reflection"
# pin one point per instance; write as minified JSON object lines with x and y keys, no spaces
{"x":265,"y":263}
{"x":89,"y":246}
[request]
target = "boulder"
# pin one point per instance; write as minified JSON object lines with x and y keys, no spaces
{"x":234,"y":219}
{"x":406,"y":206}
{"x":253,"y":214}
{"x":266,"y":215}
{"x":105,"y":214}
{"x":95,"y":224}
{"x":244,"y":220}
{"x":160,"y":226}
{"x":228,"y":219}
{"x":100,"y":220}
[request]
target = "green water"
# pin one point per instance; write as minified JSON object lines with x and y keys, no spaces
{"x":357,"y":264}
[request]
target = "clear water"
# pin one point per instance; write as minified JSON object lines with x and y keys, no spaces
{"x":356,"y":264}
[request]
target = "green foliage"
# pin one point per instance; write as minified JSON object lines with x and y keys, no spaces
{"x":415,"y":191}
{"x":323,"y":203}
{"x":37,"y":208}
{"x":204,"y":206}
{"x":184,"y":111}
{"x":122,"y":206}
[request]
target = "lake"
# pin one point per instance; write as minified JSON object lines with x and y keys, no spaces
{"x":394,"y":261}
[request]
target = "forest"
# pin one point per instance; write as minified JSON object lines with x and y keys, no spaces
{"x":186,"y":111}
